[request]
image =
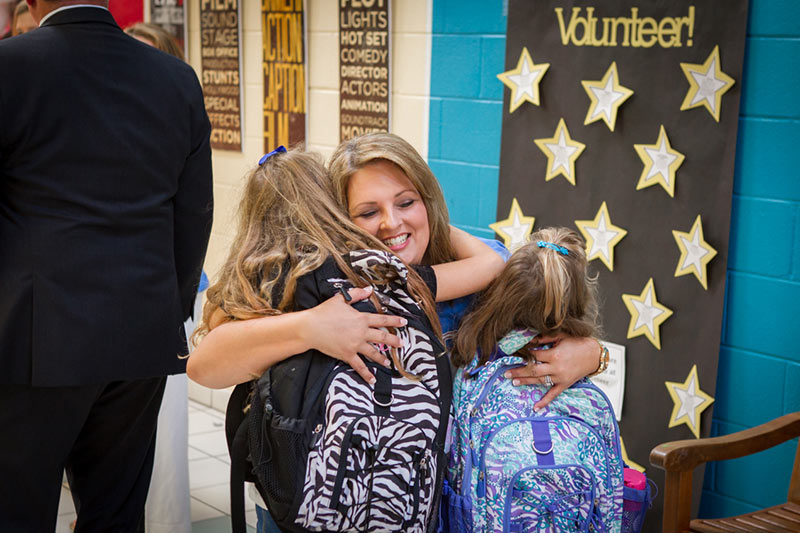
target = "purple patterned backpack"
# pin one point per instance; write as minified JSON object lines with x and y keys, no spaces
{"x":513,"y":469}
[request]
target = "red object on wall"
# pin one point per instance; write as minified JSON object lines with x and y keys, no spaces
{"x":127,"y":12}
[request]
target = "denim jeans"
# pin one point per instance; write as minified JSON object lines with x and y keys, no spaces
{"x":265,"y":523}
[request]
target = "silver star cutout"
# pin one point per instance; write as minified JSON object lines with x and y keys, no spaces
{"x":606,"y":98}
{"x":561,"y":153}
{"x":518,"y":232}
{"x":601,"y":237}
{"x":708,"y":85}
{"x":694,"y":252}
{"x":662,"y":158}
{"x":525,"y":81}
{"x":690,"y":401}
{"x":647,"y":312}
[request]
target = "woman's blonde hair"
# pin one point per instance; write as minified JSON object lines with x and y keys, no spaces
{"x":156,"y":35}
{"x":288,"y":225}
{"x":20,"y":9}
{"x":540,"y":288}
{"x":355,"y":154}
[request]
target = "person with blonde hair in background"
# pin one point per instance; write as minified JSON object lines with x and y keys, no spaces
{"x":155,"y":36}
{"x":23,"y":20}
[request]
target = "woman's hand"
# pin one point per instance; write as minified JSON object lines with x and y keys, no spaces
{"x":567,"y":361}
{"x":237,"y":351}
{"x":342,"y":332}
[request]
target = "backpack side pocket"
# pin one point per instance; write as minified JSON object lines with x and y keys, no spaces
{"x":276,"y":456}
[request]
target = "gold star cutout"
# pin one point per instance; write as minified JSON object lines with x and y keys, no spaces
{"x":647,"y":314}
{"x":515,"y":229}
{"x":627,"y":460}
{"x":689,"y":401}
{"x":661,"y":163}
{"x":695,"y":253}
{"x":607,"y":96}
{"x":601,"y":236}
{"x":707,"y":84}
{"x":523,"y":81}
{"x":561,"y":152}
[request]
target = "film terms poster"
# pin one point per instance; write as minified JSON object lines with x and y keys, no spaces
{"x":620,"y":122}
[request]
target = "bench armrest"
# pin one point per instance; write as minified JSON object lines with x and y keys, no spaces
{"x":685,"y":455}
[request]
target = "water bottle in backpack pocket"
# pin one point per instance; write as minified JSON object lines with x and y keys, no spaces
{"x":511,"y":469}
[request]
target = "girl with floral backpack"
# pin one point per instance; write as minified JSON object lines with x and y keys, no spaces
{"x":513,"y":467}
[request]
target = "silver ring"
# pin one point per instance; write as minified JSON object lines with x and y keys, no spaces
{"x":541,"y":452}
{"x":378,"y":402}
{"x":548,"y":380}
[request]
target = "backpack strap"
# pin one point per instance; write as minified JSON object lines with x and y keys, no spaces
{"x":237,"y":433}
{"x":382,"y":394}
{"x":542,"y":443}
{"x":445,"y":398}
{"x":239,"y":470}
{"x":445,"y":402}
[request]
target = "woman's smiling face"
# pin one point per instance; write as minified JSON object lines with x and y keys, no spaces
{"x":383,"y":202}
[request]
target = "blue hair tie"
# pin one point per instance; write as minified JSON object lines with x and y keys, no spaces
{"x":552,"y":246}
{"x":279,"y":150}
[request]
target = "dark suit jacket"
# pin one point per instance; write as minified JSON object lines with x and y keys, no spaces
{"x":105,"y":203}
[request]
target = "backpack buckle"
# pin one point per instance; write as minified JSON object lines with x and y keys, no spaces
{"x":382,"y":404}
{"x":542,"y":452}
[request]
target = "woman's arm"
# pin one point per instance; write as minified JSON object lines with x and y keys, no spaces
{"x":477,"y":265}
{"x":235,"y":352}
{"x":569,"y":360}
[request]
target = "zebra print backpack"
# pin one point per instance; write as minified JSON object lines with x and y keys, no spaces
{"x":332,"y":453}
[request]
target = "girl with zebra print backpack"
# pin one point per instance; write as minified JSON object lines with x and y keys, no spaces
{"x":333,"y":451}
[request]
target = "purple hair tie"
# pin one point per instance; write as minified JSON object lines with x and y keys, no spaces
{"x":279,"y":150}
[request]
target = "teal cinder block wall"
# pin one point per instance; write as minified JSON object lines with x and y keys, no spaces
{"x":759,"y":361}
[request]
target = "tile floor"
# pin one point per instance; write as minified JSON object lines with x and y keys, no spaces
{"x":208,"y":477}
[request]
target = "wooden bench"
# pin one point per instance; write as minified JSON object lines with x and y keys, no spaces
{"x":679,"y":458}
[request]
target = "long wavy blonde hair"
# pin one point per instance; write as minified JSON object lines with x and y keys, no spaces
{"x":288,"y":225}
{"x":353,"y":155}
{"x":539,"y":288}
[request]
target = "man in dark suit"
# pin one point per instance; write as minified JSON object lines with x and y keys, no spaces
{"x":105,"y":214}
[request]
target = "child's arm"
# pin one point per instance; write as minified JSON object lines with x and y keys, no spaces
{"x":477,"y":265}
{"x":235,"y":352}
{"x":569,"y":360}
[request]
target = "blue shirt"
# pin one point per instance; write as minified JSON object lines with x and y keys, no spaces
{"x":452,"y":311}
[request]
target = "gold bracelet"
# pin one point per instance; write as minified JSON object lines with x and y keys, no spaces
{"x":604,"y":359}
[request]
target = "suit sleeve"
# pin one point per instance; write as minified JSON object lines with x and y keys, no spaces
{"x":193,"y":204}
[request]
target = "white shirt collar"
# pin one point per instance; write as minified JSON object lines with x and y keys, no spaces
{"x":64,"y":8}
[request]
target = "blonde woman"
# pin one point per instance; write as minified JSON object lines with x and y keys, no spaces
{"x":23,"y":20}
{"x":155,"y":36}
{"x":388,"y":190}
